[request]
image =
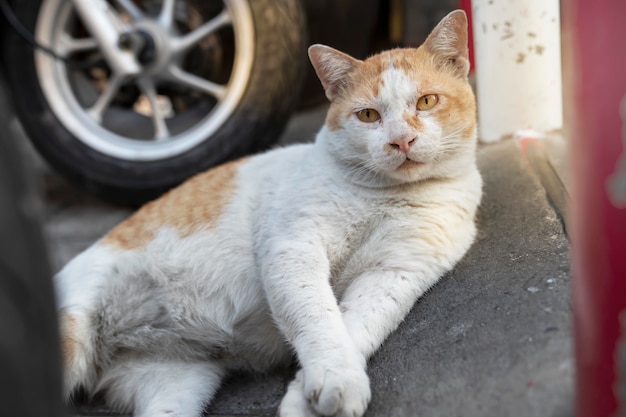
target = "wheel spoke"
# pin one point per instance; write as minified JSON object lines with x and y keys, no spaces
{"x":206,"y":29}
{"x":190,"y":80}
{"x":70,"y":45}
{"x":103,"y":102}
{"x":158,"y":118}
{"x":130,"y":8}
{"x":166,"y":17}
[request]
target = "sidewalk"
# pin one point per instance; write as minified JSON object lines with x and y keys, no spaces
{"x":492,"y":338}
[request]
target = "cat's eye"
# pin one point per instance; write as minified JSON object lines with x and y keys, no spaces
{"x":427,"y":102}
{"x":368,"y":115}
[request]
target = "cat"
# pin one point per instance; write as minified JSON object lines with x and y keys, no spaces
{"x":314,"y":250}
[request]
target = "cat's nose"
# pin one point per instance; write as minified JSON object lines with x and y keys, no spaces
{"x":403,"y":143}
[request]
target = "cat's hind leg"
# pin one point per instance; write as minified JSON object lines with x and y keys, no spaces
{"x":154,"y":388}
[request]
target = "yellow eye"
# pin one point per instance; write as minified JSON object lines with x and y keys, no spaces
{"x":368,"y":115}
{"x":427,"y":102}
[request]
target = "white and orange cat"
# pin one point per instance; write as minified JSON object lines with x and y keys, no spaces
{"x":317,"y":250}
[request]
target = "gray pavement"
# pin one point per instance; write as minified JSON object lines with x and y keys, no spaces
{"x":492,"y":338}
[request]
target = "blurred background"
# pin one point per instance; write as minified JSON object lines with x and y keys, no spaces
{"x":104,"y":111}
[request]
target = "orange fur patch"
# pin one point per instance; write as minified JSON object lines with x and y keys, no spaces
{"x":195,"y":205}
{"x":412,"y":120}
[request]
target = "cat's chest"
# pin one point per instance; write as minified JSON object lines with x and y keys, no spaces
{"x":350,"y":230}
{"x":354,"y":230}
{"x":338,"y":219}
{"x":348,"y":240}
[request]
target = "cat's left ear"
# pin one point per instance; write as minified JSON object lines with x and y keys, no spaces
{"x":448,"y":42}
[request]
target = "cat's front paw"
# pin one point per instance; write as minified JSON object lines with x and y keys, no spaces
{"x":294,"y":404}
{"x":339,"y":391}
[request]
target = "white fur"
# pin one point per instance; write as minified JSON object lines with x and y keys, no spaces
{"x":322,"y":250}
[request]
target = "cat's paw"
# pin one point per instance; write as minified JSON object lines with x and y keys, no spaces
{"x":339,"y":391}
{"x":294,"y":404}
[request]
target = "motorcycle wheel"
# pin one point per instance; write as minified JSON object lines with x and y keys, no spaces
{"x":229,"y":93}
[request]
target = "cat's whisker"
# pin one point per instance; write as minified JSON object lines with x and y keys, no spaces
{"x":454,"y":134}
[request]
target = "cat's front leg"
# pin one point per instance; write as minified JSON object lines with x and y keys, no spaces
{"x":333,"y":379}
{"x":377,"y":301}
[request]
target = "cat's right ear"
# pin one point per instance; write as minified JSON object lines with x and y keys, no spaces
{"x":331,"y":67}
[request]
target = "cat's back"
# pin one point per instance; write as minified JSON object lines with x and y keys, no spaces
{"x":209,"y":199}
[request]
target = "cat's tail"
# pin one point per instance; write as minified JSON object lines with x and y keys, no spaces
{"x":78,"y":348}
{"x":80,"y":286}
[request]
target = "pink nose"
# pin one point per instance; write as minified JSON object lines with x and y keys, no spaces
{"x":403,"y":143}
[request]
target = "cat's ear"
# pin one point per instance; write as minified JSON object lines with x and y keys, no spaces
{"x":448,"y":42}
{"x":331,"y":67}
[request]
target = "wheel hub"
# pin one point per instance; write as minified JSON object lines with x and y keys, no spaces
{"x":152,"y":46}
{"x":141,"y":43}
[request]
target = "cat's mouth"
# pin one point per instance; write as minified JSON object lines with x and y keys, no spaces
{"x":409,"y":163}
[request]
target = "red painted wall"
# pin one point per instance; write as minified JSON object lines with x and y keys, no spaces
{"x":595,"y":88}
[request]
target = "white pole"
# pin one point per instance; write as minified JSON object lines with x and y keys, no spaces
{"x":518,"y":66}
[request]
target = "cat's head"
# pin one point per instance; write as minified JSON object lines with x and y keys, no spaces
{"x":402,"y":115}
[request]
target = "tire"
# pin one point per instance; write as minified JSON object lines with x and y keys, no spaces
{"x":113,"y":155}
